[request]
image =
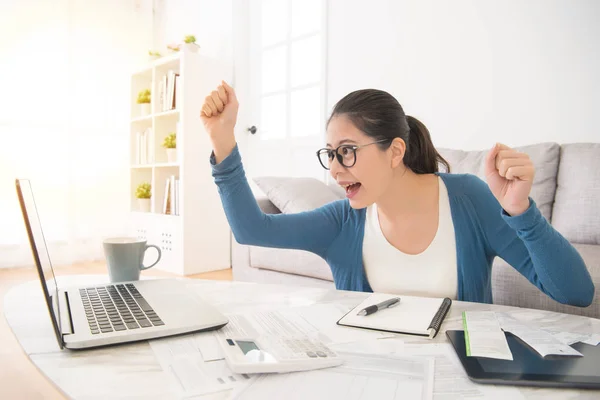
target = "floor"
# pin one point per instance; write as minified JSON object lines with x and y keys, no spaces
{"x":19,"y":378}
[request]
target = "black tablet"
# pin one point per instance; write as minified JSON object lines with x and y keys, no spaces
{"x":528,"y":368}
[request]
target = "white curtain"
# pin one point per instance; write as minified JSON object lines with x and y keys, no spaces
{"x":64,"y":120}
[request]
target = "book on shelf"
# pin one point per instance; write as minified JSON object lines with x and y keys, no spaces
{"x":143,"y":147}
{"x":167,"y":198}
{"x":177,"y":196}
{"x":167,"y":91}
{"x":171,"y":200}
{"x":136,"y":147}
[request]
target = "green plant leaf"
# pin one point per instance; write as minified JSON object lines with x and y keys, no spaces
{"x":143,"y":191}
{"x":170,"y":141}
{"x":189,"y":39}
{"x":144,"y":96}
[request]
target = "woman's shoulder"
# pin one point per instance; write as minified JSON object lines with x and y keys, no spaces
{"x":465,"y":185}
{"x":345,"y":215}
{"x":343,"y":208}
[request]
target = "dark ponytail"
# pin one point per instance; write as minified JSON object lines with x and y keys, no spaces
{"x":379,"y":115}
{"x":421,"y":156}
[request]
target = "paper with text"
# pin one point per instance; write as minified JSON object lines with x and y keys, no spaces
{"x":569,"y":338}
{"x":484,"y":337}
{"x":190,"y":374}
{"x":318,"y":321}
{"x":541,"y":341}
{"x":361,"y":377}
{"x":451,"y":381}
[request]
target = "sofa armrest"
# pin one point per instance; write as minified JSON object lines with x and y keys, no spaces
{"x":240,"y":257}
{"x":512,"y":289}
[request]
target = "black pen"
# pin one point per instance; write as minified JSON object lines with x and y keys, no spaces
{"x":376,"y":307}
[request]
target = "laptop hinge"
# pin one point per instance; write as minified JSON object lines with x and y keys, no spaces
{"x":66,"y":322}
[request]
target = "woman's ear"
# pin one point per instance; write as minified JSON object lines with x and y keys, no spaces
{"x":398,"y":148}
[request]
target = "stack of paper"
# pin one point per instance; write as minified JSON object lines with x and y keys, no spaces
{"x":542,"y":342}
{"x":360,"y":377}
{"x":196,"y":365}
{"x":484,"y":336}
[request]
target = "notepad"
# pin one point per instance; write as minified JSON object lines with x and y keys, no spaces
{"x":421,"y":316}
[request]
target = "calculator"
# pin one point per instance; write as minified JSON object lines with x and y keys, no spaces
{"x":270,"y":353}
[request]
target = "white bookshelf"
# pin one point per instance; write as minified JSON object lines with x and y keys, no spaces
{"x":198,"y":238}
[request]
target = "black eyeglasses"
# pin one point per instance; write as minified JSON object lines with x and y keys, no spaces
{"x":345,"y":154}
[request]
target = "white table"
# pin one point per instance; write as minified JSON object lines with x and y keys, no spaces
{"x":131,"y":370}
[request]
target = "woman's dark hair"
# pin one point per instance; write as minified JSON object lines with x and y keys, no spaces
{"x":379,"y":115}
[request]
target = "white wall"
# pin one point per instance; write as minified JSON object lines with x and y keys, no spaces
{"x":475,"y":72}
{"x":209,"y":21}
{"x":64,"y":120}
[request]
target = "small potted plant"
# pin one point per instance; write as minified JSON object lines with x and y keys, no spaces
{"x":143,"y":100}
{"x":173,"y":47}
{"x":189,"y":43}
{"x":170,"y":143}
{"x":143,"y":194}
{"x":154,"y":55}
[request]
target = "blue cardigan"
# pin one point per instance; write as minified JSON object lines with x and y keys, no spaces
{"x":483,"y":231}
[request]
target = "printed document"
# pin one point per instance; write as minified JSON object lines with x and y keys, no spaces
{"x":569,"y":338}
{"x":196,"y":362}
{"x":484,"y":337}
{"x":361,"y":377}
{"x":318,"y":321}
{"x":451,"y":381}
{"x":541,"y":341}
{"x":187,"y":361}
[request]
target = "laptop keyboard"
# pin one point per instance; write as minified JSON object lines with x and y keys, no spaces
{"x":117,"y":308}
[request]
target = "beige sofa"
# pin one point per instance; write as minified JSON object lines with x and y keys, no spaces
{"x":566,"y":189}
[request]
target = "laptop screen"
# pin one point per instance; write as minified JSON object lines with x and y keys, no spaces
{"x":40,"y":251}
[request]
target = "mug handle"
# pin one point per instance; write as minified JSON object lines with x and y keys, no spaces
{"x":157,"y":260}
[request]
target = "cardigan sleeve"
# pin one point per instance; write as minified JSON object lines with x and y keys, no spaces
{"x":534,"y":248}
{"x":312,"y":230}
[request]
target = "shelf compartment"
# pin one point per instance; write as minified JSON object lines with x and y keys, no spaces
{"x":140,"y":175}
{"x":161,"y":175}
{"x":164,"y":126}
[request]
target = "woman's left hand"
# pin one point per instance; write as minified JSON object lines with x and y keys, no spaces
{"x":509,"y":175}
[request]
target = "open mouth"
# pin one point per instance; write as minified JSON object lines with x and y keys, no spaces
{"x":352,"y":189}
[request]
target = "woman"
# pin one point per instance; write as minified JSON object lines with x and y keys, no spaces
{"x":404,"y":227}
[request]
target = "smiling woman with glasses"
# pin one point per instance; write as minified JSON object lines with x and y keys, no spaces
{"x":405,"y":227}
{"x":345,"y":154}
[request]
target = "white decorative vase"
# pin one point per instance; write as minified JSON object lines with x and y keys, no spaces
{"x":144,"y":205}
{"x":144,"y":109}
{"x":191,"y":47}
{"x":172,"y":155}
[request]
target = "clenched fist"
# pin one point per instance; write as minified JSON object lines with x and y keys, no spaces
{"x":509,"y":175}
{"x":219,"y":115}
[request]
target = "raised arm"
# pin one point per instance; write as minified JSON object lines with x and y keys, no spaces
{"x":311,"y":231}
{"x":517,"y":231}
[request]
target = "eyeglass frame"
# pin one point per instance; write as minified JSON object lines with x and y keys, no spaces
{"x":340,"y":158}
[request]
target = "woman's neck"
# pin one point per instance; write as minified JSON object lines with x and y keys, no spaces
{"x":408,"y":193}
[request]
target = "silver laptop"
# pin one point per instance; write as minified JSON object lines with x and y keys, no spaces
{"x":85,"y":317}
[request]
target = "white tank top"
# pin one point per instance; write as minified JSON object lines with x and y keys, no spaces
{"x":432,"y":273}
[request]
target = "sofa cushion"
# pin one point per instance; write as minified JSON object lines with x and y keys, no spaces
{"x":510,"y":288}
{"x":576,"y":212}
{"x":293,"y":195}
{"x":297,"y":262}
{"x":266,"y":205}
{"x":337,"y":189}
{"x":545,"y":158}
